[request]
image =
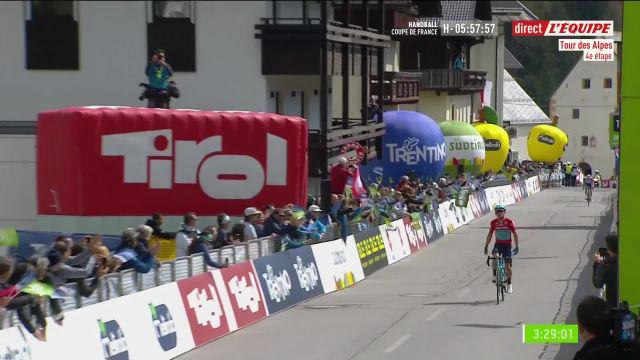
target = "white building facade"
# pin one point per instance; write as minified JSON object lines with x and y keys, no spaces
{"x":112,"y":52}
{"x":584,"y":102}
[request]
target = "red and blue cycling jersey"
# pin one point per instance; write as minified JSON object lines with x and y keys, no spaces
{"x":502,"y":228}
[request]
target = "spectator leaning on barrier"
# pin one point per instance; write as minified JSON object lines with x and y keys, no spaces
{"x":595,"y":323}
{"x":199,"y":245}
{"x":128,"y":257}
{"x":188,"y":231}
{"x":155,"y":223}
{"x":144,"y":234}
{"x":12,"y":298}
{"x":224,"y":231}
{"x":314,"y":226}
{"x":237,"y":233}
{"x":251,"y":218}
{"x":605,"y":270}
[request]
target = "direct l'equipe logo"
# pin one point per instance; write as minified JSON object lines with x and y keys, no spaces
{"x":154,"y":158}
{"x":164,"y":326}
{"x":114,"y":344}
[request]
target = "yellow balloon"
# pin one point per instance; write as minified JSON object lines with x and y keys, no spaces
{"x":546,"y":143}
{"x":496,"y":146}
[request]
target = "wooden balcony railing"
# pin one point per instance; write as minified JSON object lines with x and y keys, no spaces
{"x":399,"y":87}
{"x":452,"y":80}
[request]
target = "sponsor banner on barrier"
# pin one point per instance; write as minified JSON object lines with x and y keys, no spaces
{"x":13,"y":344}
{"x":457,"y":215}
{"x":338,"y":263}
{"x":500,"y":195}
{"x":394,"y":243}
{"x":410,"y":235}
{"x":523,"y":189}
{"x":430,"y":227}
{"x":418,"y":228}
{"x":371,"y":250}
{"x":446,"y":217}
{"x":204,"y":305}
{"x":533,"y":185}
{"x":437,"y":223}
{"x":515,"y":188}
{"x":243,"y":287}
{"x":288,"y":278}
{"x":147,"y":325}
{"x":484,"y":203}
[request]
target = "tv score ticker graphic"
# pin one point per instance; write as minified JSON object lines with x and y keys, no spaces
{"x":430,"y":27}
{"x":600,"y":49}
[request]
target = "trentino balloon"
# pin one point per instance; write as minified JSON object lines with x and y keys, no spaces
{"x":413,"y":142}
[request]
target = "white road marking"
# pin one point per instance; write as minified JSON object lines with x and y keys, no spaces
{"x":464,"y":292}
{"x":397,"y":343}
{"x":436,"y":313}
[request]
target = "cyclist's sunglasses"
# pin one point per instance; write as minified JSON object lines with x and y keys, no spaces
{"x":499,"y":211}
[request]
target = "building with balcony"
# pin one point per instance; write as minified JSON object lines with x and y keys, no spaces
{"x":457,"y":94}
{"x":227,"y":55}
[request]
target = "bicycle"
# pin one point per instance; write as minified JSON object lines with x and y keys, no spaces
{"x":501,"y":277}
{"x":589,"y":193}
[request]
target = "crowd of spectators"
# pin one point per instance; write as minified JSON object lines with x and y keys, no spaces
{"x":87,"y":262}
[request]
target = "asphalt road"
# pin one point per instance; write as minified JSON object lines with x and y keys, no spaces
{"x":440,"y":302}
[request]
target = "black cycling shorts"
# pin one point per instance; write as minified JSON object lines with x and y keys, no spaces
{"x":505,"y":251}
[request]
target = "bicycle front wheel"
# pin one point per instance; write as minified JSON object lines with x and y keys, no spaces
{"x":498,"y":287}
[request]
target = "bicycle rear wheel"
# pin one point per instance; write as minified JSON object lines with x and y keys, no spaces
{"x":502,"y":291}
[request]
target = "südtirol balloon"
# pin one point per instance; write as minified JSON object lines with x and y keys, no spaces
{"x":465,"y":148}
{"x":412,"y":142}
{"x":546,"y":143}
{"x":496,"y":146}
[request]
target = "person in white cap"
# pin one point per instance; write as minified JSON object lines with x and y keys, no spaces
{"x":251,"y":218}
{"x":314,"y":226}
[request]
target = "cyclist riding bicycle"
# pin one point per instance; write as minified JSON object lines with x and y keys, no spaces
{"x":503,"y":228}
{"x":588,"y":186}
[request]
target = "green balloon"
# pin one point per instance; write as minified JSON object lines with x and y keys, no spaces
{"x":465,"y":147}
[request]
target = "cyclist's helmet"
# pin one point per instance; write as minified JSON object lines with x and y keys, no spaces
{"x":500,"y":207}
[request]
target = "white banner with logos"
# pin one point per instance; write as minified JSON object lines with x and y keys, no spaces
{"x":339,"y":264}
{"x":395,"y":244}
{"x":147,"y":325}
{"x":533,"y":185}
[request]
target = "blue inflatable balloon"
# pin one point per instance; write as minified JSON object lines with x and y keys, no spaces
{"x":413,"y":142}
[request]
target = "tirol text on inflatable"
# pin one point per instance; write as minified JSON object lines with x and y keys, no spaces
{"x":412,"y":143}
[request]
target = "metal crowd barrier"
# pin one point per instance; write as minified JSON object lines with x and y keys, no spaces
{"x":129,"y":281}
